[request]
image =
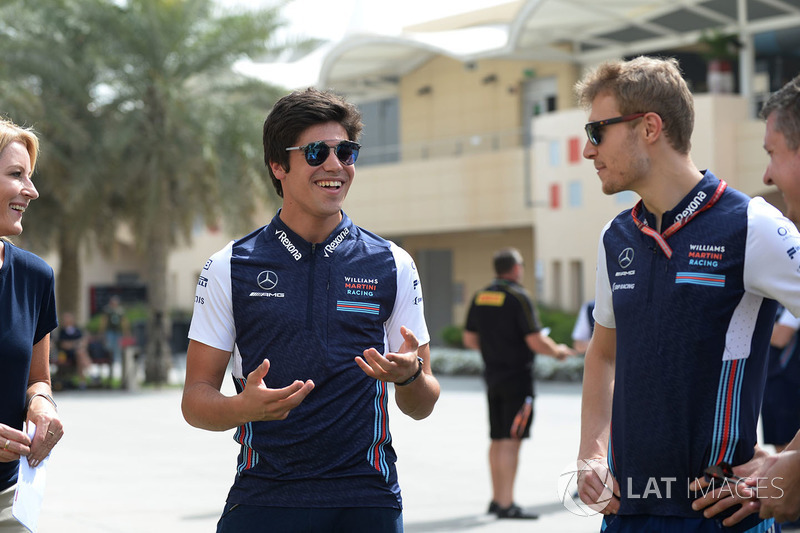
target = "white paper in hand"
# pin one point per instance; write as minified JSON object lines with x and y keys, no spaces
{"x":30,"y":490}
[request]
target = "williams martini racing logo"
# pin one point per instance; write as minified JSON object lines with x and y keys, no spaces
{"x":360,"y":286}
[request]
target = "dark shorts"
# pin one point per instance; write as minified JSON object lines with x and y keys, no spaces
{"x":238,"y":518}
{"x":503,"y":408}
{"x":780,"y":411}
{"x":676,"y":524}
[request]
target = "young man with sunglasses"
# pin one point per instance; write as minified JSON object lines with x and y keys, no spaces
{"x":319,"y":316}
{"x":686,"y":283}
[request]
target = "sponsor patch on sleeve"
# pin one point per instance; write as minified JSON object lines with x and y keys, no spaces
{"x":491,"y":298}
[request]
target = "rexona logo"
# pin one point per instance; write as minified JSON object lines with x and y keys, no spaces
{"x":331,"y":246}
{"x":289,"y":245}
{"x":696,"y":202}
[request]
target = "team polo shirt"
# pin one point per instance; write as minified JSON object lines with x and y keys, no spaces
{"x":693,"y":309}
{"x":311,"y":309}
{"x":27,"y":315}
{"x":502,"y":315}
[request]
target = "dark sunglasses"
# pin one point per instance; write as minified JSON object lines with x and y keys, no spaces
{"x":317,"y":152}
{"x":593,"y":128}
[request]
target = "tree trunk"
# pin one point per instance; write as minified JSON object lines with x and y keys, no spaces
{"x":68,"y":284}
{"x":158,"y":358}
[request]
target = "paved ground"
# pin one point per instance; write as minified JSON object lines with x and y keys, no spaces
{"x":130,"y":463}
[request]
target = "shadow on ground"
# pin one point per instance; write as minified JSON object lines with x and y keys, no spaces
{"x":466,"y":523}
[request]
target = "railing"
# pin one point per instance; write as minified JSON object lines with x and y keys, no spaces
{"x":438,"y":148}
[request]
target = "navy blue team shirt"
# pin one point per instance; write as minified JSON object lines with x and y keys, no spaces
{"x":27,"y":315}
{"x":693,"y":322}
{"x":311,"y":309}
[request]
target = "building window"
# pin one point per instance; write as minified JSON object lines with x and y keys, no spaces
{"x":381,"y":140}
{"x":626,"y":198}
{"x":555,"y":153}
{"x":575,"y":194}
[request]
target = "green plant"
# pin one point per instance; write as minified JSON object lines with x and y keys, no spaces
{"x":453,"y":336}
{"x":560,"y":323}
{"x":718,"y":45}
{"x":134,"y":314}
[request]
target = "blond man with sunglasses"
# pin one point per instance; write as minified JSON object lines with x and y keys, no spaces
{"x":319,"y":317}
{"x":685,"y":301}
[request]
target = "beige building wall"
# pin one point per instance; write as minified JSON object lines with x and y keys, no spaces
{"x":450,"y":108}
{"x":446,"y":194}
{"x":472,"y":259}
{"x":466,"y":184}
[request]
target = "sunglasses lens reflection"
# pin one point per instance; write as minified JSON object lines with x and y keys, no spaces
{"x":347,"y":152}
{"x":317,"y":152}
{"x":593,"y":132}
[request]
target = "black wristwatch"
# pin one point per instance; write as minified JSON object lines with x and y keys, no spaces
{"x":412,"y":378}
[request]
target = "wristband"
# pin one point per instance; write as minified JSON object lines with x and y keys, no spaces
{"x":412,"y":378}
{"x":46,"y":397}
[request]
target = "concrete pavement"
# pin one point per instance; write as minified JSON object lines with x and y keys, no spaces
{"x":130,"y":463}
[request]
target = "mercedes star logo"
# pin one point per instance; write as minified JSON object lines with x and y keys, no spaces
{"x":267,"y":280}
{"x":625,"y":258}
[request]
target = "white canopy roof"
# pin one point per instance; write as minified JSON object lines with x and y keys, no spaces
{"x":577,"y":31}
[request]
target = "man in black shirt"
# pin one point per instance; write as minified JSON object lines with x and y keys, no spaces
{"x":502,"y":324}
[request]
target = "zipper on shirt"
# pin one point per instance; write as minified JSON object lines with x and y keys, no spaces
{"x":310,"y":304}
{"x":653,"y":265}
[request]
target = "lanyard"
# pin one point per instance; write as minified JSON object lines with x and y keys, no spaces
{"x":661,"y":238}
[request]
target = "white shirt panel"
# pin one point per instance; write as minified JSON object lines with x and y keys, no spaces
{"x":409,"y":310}
{"x":772,"y":255}
{"x":604,"y":306}
{"x":212,"y":318}
{"x":789,"y":320}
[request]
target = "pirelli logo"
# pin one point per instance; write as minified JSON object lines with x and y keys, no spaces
{"x":490,"y":298}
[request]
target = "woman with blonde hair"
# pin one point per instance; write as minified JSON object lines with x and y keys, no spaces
{"x":27,"y":316}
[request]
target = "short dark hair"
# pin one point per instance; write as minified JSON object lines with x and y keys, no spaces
{"x":505,"y":260}
{"x":298,"y":111}
{"x":785,"y":103}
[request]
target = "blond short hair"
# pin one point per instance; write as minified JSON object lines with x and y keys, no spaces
{"x":10,"y":132}
{"x":643,"y":85}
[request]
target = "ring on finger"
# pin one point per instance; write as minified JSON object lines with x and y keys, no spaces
{"x":8,"y":441}
{"x":50,"y":433}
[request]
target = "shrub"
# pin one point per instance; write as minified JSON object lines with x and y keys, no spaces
{"x":453,"y":336}
{"x":559,"y":322}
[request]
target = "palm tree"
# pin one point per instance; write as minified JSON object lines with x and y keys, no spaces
{"x":142,"y":121}
{"x":49,"y":72}
{"x":190,"y":129}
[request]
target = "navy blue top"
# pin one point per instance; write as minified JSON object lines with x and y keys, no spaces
{"x":692,"y":332}
{"x":27,"y":315}
{"x":311,"y":309}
